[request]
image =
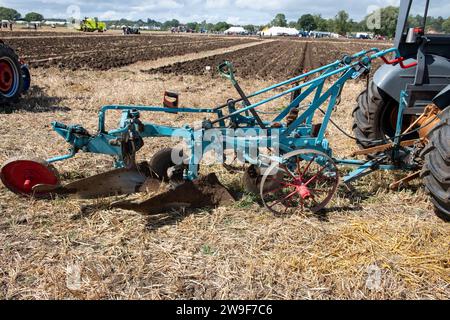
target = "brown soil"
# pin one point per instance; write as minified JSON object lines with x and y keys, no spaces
{"x":111,"y":51}
{"x":206,"y":192}
{"x":276,"y":58}
{"x":279,"y":59}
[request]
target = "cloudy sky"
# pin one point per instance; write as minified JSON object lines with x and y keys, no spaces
{"x":232,"y":11}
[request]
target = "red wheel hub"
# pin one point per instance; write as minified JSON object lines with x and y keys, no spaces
{"x":6,"y":76}
{"x":304,"y":192}
{"x":300,"y":187}
{"x":20,"y":176}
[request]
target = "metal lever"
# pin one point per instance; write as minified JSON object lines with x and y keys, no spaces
{"x":226,"y":70}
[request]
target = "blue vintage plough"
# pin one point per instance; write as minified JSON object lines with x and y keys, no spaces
{"x":291,"y":162}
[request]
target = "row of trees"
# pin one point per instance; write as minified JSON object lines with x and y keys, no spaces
{"x":196,"y":26}
{"x":174,"y":23}
{"x":385,"y":22}
{"x":341,"y":23}
{"x":12,"y":15}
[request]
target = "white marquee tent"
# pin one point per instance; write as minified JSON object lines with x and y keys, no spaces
{"x":236,"y":30}
{"x":280,"y":31}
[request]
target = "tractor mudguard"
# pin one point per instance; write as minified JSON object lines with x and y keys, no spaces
{"x":442,"y":100}
{"x":392,"y":79}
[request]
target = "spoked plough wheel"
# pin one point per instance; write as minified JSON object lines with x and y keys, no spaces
{"x":306,"y":180}
{"x":22,"y":175}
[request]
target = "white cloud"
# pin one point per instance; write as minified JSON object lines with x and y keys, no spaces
{"x":147,"y":6}
{"x":217,"y":4}
{"x":110,"y":15}
{"x":235,"y":11}
{"x":266,"y":4}
{"x":235,"y":20}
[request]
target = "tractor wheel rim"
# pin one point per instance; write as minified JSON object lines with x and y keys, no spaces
{"x":389,"y":117}
{"x":9,"y":77}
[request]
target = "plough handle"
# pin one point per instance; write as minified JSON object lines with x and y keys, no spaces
{"x":399,"y":60}
{"x":226,"y":70}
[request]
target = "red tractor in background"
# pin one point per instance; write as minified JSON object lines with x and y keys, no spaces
{"x":14,"y":75}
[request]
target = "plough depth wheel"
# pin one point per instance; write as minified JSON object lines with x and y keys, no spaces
{"x":305,"y":180}
{"x":21,"y":175}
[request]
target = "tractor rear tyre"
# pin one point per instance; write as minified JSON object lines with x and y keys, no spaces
{"x":436,"y":169}
{"x":11,"y":80}
{"x":375,"y":117}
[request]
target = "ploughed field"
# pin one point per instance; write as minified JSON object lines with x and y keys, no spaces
{"x":103,"y":52}
{"x":277,"y":58}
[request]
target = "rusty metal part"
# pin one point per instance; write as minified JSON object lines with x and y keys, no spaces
{"x":205,"y":192}
{"x":115,"y":182}
{"x":171,"y":100}
{"x":428,"y":120}
{"x":276,"y":125}
{"x":384,"y":147}
{"x":316,"y":129}
{"x":395,"y":185}
{"x":293,"y":115}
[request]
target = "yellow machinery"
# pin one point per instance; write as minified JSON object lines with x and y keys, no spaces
{"x":91,"y":25}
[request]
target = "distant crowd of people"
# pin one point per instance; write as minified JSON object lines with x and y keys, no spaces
{"x":8,"y":25}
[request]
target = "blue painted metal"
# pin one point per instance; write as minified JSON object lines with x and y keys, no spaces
{"x":366,"y":168}
{"x":361,"y":171}
{"x":401,"y":108}
{"x":64,"y":157}
{"x":352,"y":162}
{"x":298,"y":135}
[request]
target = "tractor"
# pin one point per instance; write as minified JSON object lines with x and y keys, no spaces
{"x":131,"y":30}
{"x":423,"y":74}
{"x":14,"y":75}
{"x":91,"y":25}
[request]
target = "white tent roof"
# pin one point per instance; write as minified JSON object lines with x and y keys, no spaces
{"x":281,"y":30}
{"x":235,"y":30}
{"x":55,"y":22}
